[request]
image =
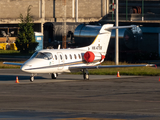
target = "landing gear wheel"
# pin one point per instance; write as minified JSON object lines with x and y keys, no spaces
{"x":54,"y":75}
{"x":85,"y":74}
{"x":32,"y":78}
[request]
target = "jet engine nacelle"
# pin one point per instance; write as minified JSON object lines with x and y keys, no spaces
{"x":90,"y":57}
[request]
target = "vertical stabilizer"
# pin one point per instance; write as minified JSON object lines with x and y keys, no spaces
{"x":101,"y":42}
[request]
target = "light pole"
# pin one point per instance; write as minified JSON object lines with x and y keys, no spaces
{"x":76,"y":10}
{"x":64,"y":25}
{"x":142,"y":10}
{"x":116,"y":37}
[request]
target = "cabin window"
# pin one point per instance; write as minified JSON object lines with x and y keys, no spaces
{"x":75,"y":56}
{"x":66,"y":57}
{"x":55,"y":57}
{"x":61,"y":57}
{"x":79,"y":56}
{"x":70,"y":56}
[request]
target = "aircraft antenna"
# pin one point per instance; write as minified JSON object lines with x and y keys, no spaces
{"x":59,"y":46}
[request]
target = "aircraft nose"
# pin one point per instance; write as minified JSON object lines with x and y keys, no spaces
{"x":23,"y":68}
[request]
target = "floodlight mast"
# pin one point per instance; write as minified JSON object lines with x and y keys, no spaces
{"x":76,"y":11}
{"x":116,"y":37}
{"x":64,"y":25}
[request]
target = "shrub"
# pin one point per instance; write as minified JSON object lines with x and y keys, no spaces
{"x":26,"y":41}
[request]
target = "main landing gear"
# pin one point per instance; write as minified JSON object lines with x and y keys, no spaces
{"x":85,"y":74}
{"x":54,"y":75}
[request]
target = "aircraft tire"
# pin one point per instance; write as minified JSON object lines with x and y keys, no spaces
{"x":86,"y":76}
{"x":32,"y":78}
{"x":54,"y":75}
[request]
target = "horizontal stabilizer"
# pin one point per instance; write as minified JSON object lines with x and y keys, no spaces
{"x":10,"y":63}
{"x":111,"y":66}
{"x":120,"y":27}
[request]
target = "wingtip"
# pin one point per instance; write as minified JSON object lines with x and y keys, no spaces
{"x":151,"y":65}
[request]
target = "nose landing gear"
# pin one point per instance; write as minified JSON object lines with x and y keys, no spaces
{"x":54,"y":75}
{"x":32,"y":77}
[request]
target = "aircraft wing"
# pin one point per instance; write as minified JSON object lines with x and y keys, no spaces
{"x":10,"y":63}
{"x":111,"y":66}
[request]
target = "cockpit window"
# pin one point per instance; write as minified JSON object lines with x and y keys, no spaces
{"x":49,"y":55}
{"x":44,"y":55}
{"x":34,"y":54}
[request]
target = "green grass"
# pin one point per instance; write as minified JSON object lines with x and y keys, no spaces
{"x":14,"y":53}
{"x":148,"y":71}
{"x":5,"y":52}
{"x":2,"y":66}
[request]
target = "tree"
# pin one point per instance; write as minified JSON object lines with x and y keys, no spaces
{"x":26,"y":41}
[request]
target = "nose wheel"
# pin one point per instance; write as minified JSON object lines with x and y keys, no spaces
{"x":32,"y":78}
{"x":54,"y":75}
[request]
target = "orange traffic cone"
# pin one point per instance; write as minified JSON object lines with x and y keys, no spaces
{"x":17,"y":81}
{"x":118,"y":75}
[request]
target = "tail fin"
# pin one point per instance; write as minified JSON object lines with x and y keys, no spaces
{"x":101,"y":42}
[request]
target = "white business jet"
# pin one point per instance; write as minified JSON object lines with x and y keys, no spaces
{"x":56,"y":61}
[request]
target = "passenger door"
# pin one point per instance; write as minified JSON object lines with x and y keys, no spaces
{"x":60,"y":61}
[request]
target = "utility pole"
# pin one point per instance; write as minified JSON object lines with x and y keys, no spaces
{"x":42,"y":14}
{"x":116,"y":37}
{"x":142,"y":10}
{"x":76,"y":10}
{"x":112,"y":8}
{"x":64,"y":25}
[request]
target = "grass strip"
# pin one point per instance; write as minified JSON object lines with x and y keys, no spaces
{"x":5,"y":66}
{"x":147,"y":71}
{"x":143,"y":71}
{"x":14,"y":53}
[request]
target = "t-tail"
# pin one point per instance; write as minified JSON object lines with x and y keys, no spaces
{"x":101,"y":42}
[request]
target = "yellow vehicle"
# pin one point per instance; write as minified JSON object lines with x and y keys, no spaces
{"x":3,"y":46}
{"x":13,"y":46}
{"x":10,"y":46}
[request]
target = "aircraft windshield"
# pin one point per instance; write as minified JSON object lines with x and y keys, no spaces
{"x":44,"y":55}
{"x":34,"y":54}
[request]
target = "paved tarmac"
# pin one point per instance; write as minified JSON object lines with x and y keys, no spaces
{"x":69,"y":97}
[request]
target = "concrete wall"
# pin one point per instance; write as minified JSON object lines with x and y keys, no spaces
{"x":89,"y":10}
{"x":11,"y":9}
